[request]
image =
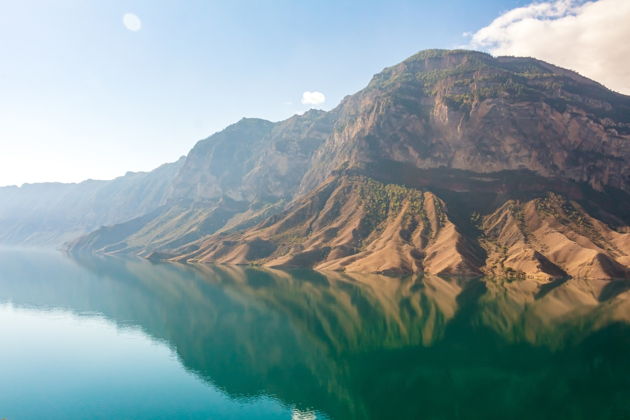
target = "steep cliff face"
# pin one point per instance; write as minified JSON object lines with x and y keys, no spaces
{"x":253,"y":159}
{"x":216,"y":165}
{"x":467,"y":110}
{"x":451,"y":162}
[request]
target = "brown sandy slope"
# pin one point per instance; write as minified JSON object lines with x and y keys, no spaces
{"x":353,"y":224}
{"x":356,"y":224}
{"x":551,"y":237}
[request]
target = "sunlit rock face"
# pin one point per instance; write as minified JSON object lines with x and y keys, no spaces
{"x":467,"y":110}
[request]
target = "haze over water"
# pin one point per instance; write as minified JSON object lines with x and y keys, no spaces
{"x":117,"y":338}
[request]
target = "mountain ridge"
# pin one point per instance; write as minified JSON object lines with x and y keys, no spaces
{"x":49,"y":214}
{"x":488,"y":143}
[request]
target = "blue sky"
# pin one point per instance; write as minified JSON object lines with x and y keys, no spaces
{"x":82,"y":96}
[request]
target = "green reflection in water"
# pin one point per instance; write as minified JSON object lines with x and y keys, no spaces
{"x":361,"y":346}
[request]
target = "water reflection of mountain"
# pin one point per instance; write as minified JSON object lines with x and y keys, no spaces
{"x":361,"y":346}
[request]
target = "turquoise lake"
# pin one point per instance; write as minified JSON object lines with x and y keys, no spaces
{"x":111,"y":338}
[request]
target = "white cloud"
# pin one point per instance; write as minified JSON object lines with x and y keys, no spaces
{"x":132,"y":22}
{"x":313,"y":98}
{"x":592,"y":38}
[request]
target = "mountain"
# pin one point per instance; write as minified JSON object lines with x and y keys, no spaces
{"x":352,"y":223}
{"x":455,"y":163}
{"x":253,"y":160}
{"x":53,"y":213}
{"x":470,"y":111}
{"x":232,"y":179}
{"x":458,"y":163}
{"x":243,"y":169}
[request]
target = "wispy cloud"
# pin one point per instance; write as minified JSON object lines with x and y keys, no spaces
{"x":313,"y":98}
{"x":592,"y":38}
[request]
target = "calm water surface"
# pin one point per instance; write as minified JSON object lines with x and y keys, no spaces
{"x":109,"y":338}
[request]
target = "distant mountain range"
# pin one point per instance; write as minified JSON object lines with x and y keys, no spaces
{"x":451,"y":163}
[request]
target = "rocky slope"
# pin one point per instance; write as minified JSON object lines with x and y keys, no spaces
{"x":552,"y":237}
{"x":470,"y":111}
{"x":253,"y":159}
{"x":351,"y":223}
{"x":451,"y":162}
